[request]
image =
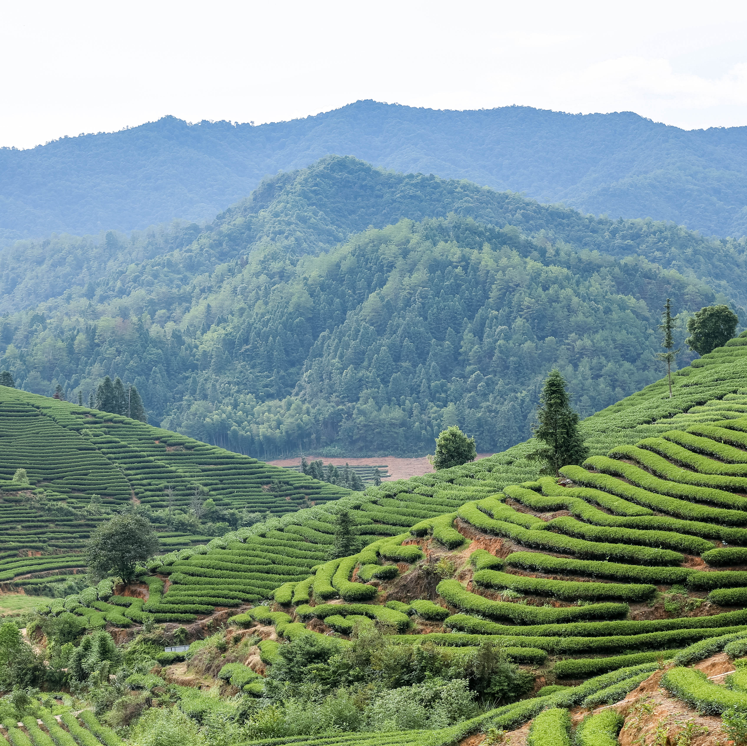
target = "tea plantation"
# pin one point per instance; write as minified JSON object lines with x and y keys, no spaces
{"x":71,"y":453}
{"x":635,"y":561}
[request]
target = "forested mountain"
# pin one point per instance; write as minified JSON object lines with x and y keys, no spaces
{"x":264,"y":336}
{"x":315,"y":209}
{"x":617,"y":164}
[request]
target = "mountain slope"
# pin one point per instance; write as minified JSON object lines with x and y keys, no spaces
{"x":373,"y":346}
{"x":617,"y":164}
{"x":82,"y":464}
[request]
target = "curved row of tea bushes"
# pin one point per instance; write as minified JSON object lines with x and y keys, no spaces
{"x":600,"y":729}
{"x":551,"y":728}
{"x":643,"y":479}
{"x":543,"y":539}
{"x":429,"y":611}
{"x":615,"y":692}
{"x":672,"y":451}
{"x":455,"y":595}
{"x":563,"y":589}
{"x":382,"y":572}
{"x":665,"y":469}
{"x":615,"y":627}
{"x":351,"y":591}
{"x":481,"y":559}
{"x":581,"y":668}
{"x":708,"y":441}
{"x":692,"y":686}
{"x":547,"y":563}
{"x":391,"y":617}
{"x":670,"y":505}
{"x":442,"y":529}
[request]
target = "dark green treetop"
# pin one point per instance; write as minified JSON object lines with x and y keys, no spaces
{"x":453,"y":448}
{"x":711,"y":327}
{"x":116,"y":547}
{"x":668,"y":325}
{"x":346,"y":542}
{"x":558,"y":428}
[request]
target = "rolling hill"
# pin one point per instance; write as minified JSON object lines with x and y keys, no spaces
{"x":625,"y":573}
{"x":618,"y":164}
{"x":82,"y":465}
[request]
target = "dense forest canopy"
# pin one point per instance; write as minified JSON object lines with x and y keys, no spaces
{"x":315,"y":209}
{"x":260,"y":337}
{"x":621,"y":165}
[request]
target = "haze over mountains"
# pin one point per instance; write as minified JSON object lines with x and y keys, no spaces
{"x":619,"y":164}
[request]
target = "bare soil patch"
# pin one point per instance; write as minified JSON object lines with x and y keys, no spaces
{"x":398,"y":468}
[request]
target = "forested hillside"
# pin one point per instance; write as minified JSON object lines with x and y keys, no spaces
{"x":313,"y":210}
{"x":261,"y":337}
{"x":619,"y":164}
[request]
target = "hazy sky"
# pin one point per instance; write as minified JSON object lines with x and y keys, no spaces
{"x":91,"y":66}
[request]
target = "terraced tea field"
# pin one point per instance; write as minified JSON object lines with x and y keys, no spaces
{"x":258,"y":559}
{"x":71,"y":453}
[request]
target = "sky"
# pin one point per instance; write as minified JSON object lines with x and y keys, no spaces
{"x":76,"y":67}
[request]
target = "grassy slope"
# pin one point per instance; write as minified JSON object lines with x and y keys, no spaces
{"x":71,"y":452}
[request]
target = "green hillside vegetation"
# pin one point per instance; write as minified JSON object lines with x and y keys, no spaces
{"x":378,"y":344}
{"x":617,"y":164}
{"x":473,"y":583}
{"x":82,"y":464}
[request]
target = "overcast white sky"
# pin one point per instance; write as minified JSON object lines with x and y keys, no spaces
{"x":78,"y":66}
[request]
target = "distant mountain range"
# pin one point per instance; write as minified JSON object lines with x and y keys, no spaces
{"x":620,"y":165}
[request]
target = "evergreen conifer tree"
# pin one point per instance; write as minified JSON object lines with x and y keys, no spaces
{"x":377,"y":477}
{"x":120,"y":398}
{"x":558,"y":428}
{"x":105,"y":398}
{"x":668,"y":326}
{"x":346,"y":542}
{"x":136,"y":407}
{"x":6,"y":379}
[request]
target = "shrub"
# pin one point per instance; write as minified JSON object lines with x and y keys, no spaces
{"x":351,"y":591}
{"x":391,"y":617}
{"x":284,"y":594}
{"x":430,"y":611}
{"x":561,"y":589}
{"x":382,"y":572}
{"x":551,"y":728}
{"x":726,"y":556}
{"x":481,"y":559}
{"x":453,"y":593}
{"x":693,"y":687}
{"x":600,"y":729}
{"x":581,"y":668}
{"x":535,"y":561}
{"x":736,"y":649}
{"x":616,"y":692}
{"x":706,"y":648}
{"x":322,"y":585}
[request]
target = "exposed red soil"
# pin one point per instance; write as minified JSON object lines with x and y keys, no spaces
{"x":398,"y":468}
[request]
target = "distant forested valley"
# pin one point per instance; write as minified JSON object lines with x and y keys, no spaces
{"x":344,"y":309}
{"x":620,"y":165}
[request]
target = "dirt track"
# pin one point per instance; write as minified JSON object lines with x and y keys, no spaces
{"x":399,"y":468}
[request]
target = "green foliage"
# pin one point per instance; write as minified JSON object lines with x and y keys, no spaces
{"x":711,"y":327}
{"x":345,"y":542}
{"x":551,"y":728}
{"x":693,"y":687}
{"x":6,"y":379}
{"x":600,"y":729}
{"x":118,"y":545}
{"x":453,"y":448}
{"x":558,"y":428}
{"x":19,"y":666}
{"x":581,"y":668}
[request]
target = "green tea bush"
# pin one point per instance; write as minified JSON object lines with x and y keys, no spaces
{"x":322,"y":585}
{"x":693,"y":687}
{"x":534,"y":561}
{"x":352,"y":592}
{"x":551,"y":728}
{"x":562,"y":589}
{"x":581,"y":668}
{"x":726,"y":557}
{"x":600,"y":729}
{"x":616,"y":692}
{"x":481,"y":559}
{"x":429,"y":611}
{"x":382,"y":572}
{"x":453,"y":593}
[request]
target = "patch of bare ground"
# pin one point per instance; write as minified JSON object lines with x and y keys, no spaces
{"x":398,"y":468}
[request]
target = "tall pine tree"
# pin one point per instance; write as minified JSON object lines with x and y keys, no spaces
{"x":346,"y":542}
{"x":558,"y":428}
{"x":668,"y":325}
{"x":136,"y":407}
{"x":105,"y":397}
